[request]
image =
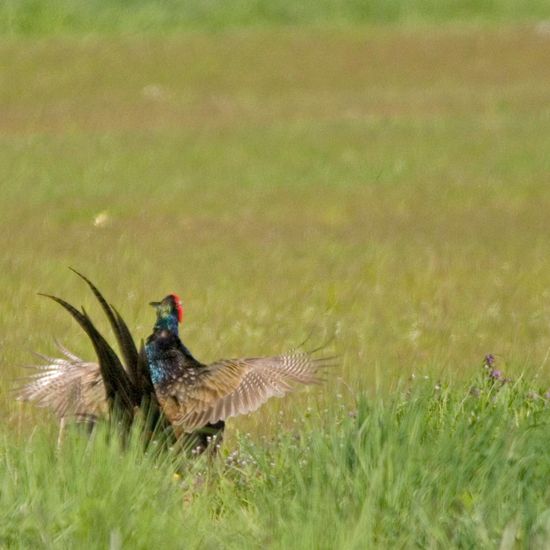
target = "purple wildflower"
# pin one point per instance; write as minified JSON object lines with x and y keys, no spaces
{"x":489,"y":360}
{"x":495,"y":374}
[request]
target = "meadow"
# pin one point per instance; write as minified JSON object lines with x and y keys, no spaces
{"x":382,"y":187}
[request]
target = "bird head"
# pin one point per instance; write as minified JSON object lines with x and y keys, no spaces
{"x":169,"y":311}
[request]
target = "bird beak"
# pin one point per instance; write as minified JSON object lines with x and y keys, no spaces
{"x":154,"y":304}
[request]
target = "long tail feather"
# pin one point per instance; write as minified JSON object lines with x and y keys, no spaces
{"x":128,"y":349}
{"x":122,"y":333}
{"x":118,"y":385}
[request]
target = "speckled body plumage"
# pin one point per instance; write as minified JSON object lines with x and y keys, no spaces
{"x":167,"y":357}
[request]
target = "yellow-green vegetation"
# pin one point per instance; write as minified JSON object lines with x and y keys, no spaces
{"x":388,"y":186}
{"x":47,"y":17}
{"x":423,"y":468}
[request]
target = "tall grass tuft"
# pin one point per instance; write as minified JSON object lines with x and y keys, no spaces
{"x":429,"y":466}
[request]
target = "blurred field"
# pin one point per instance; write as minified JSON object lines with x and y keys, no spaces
{"x":388,"y":186}
{"x":53,"y":17}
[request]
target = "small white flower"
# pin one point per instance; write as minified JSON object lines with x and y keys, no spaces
{"x":101,"y":219}
{"x":155,"y":92}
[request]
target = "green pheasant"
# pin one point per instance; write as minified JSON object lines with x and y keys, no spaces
{"x":187,"y":398}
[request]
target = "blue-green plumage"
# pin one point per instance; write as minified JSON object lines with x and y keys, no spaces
{"x":166,"y":354}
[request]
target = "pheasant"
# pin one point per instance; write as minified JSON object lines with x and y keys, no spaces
{"x":192,"y":399}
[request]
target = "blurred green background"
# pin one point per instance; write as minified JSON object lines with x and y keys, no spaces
{"x":98,"y":16}
{"x":374,"y":171}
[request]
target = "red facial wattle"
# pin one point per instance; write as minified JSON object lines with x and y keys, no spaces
{"x":179,"y":308}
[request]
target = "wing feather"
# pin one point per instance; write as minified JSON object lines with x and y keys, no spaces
{"x":239,"y":386}
{"x":68,"y":386}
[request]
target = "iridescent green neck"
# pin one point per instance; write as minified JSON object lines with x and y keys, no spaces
{"x":167,"y":322}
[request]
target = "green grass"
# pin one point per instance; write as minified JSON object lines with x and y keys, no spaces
{"x":54,"y":17}
{"x":385,"y":186}
{"x":425,"y":468}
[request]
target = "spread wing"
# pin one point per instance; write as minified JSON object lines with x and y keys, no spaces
{"x":232,"y":387}
{"x":69,"y":386}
